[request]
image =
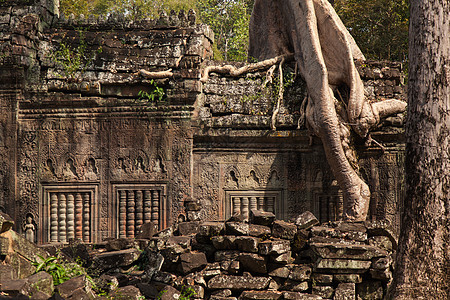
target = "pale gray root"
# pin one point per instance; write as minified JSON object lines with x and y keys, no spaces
{"x":155,"y":75}
{"x":324,"y":52}
{"x":233,"y":71}
{"x":280,"y":95}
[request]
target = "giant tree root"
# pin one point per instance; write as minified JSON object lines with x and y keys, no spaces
{"x":324,"y":52}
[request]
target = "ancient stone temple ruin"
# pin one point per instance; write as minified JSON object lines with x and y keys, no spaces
{"x":90,"y":149}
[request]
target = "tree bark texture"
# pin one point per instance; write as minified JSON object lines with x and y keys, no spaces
{"x":324,"y":52}
{"x":423,"y":261}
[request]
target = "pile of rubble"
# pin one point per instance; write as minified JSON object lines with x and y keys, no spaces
{"x":262,"y":258}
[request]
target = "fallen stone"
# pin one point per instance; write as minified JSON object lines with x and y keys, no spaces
{"x":147,"y":230}
{"x":68,"y":288}
{"x":128,"y":292}
{"x":274,"y":247}
{"x":107,"y":283}
{"x":6,"y":222}
{"x":167,"y":292}
{"x":22,"y":267}
{"x":40,"y":296}
{"x":211,"y":270}
{"x":222,"y":293}
{"x":261,"y":295}
{"x":350,"y":226}
{"x":42,"y":282}
{"x":300,"y":273}
{"x":300,"y":296}
{"x":279,"y":271}
{"x":210,"y":229}
{"x":224,"y":242}
{"x":237,"y":217}
{"x":78,"y":251}
{"x":323,"y":291}
{"x":236,"y":228}
{"x":322,"y":278}
{"x":149,"y":291}
{"x":238,"y":282}
{"x":369,"y":290}
{"x":191,"y":262}
{"x":151,"y":262}
{"x":306,"y":220}
{"x":342,"y":265}
{"x":345,"y":251}
{"x":284,"y":258}
{"x":259,"y":230}
{"x":345,"y":291}
{"x":283,"y":230}
{"x":247,"y":243}
{"x":222,"y":255}
{"x":179,"y":241}
{"x":253,"y":262}
{"x":295,"y":286}
{"x":16,"y":287}
{"x":164,"y":277}
{"x":120,"y":244}
{"x":188,"y":228}
{"x":20,"y":245}
{"x":300,"y":240}
{"x":260,"y":217}
{"x":347,"y":278}
{"x":114,"y":259}
{"x":7,"y":272}
{"x":168,"y":232}
{"x":213,"y":297}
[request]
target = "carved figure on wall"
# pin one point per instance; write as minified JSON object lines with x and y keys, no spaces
{"x":69,"y":170}
{"x":30,"y":228}
{"x":91,"y":169}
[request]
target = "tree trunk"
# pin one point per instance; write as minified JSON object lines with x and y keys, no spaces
{"x":423,"y":260}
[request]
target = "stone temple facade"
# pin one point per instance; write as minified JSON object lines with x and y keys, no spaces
{"x":89,"y":149}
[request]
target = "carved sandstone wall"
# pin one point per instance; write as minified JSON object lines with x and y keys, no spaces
{"x":87,"y":156}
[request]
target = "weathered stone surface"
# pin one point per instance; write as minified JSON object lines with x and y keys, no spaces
{"x":381,"y":263}
{"x":300,"y":240}
{"x":120,"y":244}
{"x":347,"y":278}
{"x":23,"y":267}
{"x":194,"y":215}
{"x":226,"y":242}
{"x":42,"y":282}
{"x":300,"y":296}
{"x":345,"y":291}
{"x":384,"y":275}
{"x":68,"y":288}
{"x":322,"y":278}
{"x":253,"y":262}
{"x":152,"y":261}
{"x":342,"y":265}
{"x":259,"y":230}
{"x":188,"y":228}
{"x":147,"y":230}
{"x":238,"y":282}
{"x":343,"y":251}
{"x":128,"y":292}
{"x":164,"y":277}
{"x":222,"y":293}
{"x":295,"y":286}
{"x":284,"y":258}
{"x":211,"y":270}
{"x":261,"y":295}
{"x":300,"y":273}
{"x":7,"y":272}
{"x":247,"y":243}
{"x":237,"y":228}
{"x":16,"y":287}
{"x":168,"y":292}
{"x":209,"y":229}
{"x":280,"y":271}
{"x":369,"y":290}
{"x":6,"y":222}
{"x":382,"y":228}
{"x":22,"y":246}
{"x":306,"y":220}
{"x":222,"y":255}
{"x":191,"y":262}
{"x":283,"y":230}
{"x":382,"y":242}
{"x":260,"y":217}
{"x":114,"y":259}
{"x":323,"y":291}
{"x":274,"y":247}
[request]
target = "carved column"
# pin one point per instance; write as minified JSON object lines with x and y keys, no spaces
{"x":270,"y":204}
{"x":122,"y":214}
{"x":86,"y":217}
{"x":253,"y":203}
{"x":236,"y":205}
{"x":62,"y":217}
{"x":245,"y":207}
{"x":130,"y":214}
{"x":261,"y":203}
{"x":78,"y":216}
{"x":70,"y":216}
{"x":147,"y":206}
{"x":53,"y":217}
{"x":155,"y":207}
{"x":139,"y":209}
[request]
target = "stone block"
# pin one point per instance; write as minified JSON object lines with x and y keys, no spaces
{"x":168,"y":292}
{"x":274,"y":247}
{"x":295,"y":286}
{"x":247,"y":243}
{"x":342,"y":265}
{"x":237,"y":228}
{"x":279,"y":271}
{"x":347,"y":278}
{"x":120,"y":244}
{"x":381,"y":263}
{"x":259,"y":230}
{"x":323,"y":291}
{"x":284,"y":258}
{"x":42,"y":282}
{"x":191,"y":262}
{"x":383,"y":275}
{"x":7,"y":272}
{"x":175,"y":242}
{"x":16,"y":287}
{"x":346,"y":251}
{"x":164,"y":277}
{"x":149,"y":291}
{"x":261,"y":295}
{"x":22,"y":266}
{"x":114,"y":259}
{"x":67,"y":289}
{"x":283,"y":230}
{"x":194,"y":215}
{"x":260,"y":217}
{"x":147,"y":230}
{"x":382,"y":228}
{"x":300,"y":272}
{"x":238,"y":282}
{"x":222,"y":255}
{"x":188,"y":228}
{"x":210,"y":229}
{"x":382,"y":242}
{"x":300,"y":296}
{"x":222,"y":293}
{"x":306,"y":220}
{"x":369,"y":290}
{"x":322,"y":278}
{"x":300,"y":240}
{"x":128,"y":292}
{"x":6,"y":222}
{"x":345,"y":291}
{"x":253,"y":262}
{"x":224,"y":242}
{"x":152,"y":262}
